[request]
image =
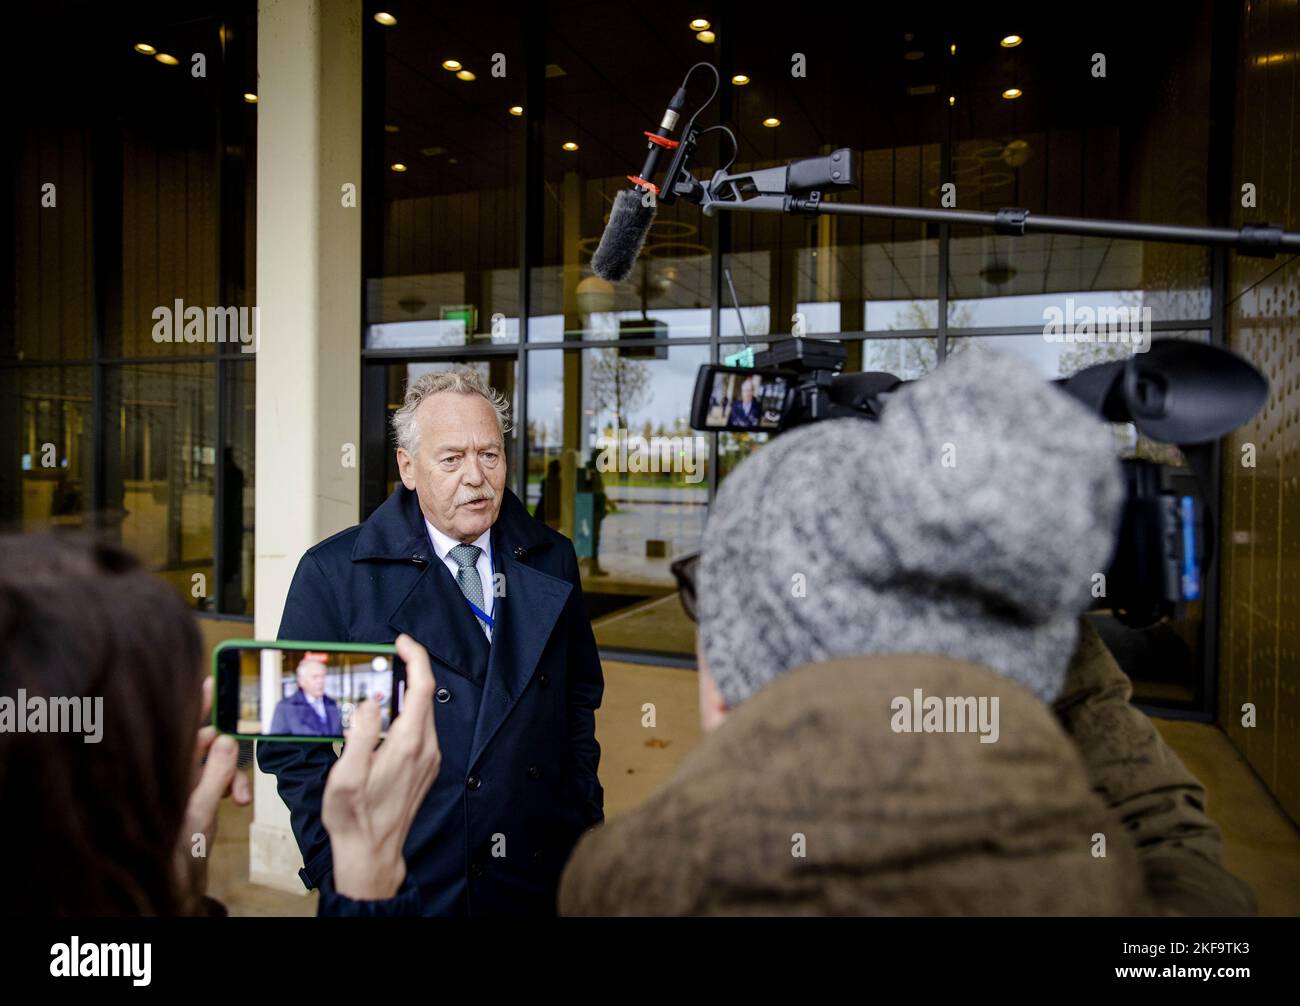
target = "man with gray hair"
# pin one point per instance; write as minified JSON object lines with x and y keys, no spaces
{"x":453,"y":559}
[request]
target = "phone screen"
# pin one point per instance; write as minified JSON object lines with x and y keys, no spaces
{"x":302,"y":691}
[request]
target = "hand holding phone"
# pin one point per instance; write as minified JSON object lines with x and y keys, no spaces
{"x":371,"y":796}
{"x":215,"y":776}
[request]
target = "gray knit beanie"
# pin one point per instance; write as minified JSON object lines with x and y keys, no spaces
{"x":968,"y":522}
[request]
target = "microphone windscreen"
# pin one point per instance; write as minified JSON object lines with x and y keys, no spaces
{"x":629,"y":223}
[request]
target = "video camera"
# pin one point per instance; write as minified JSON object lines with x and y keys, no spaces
{"x":1184,"y":393}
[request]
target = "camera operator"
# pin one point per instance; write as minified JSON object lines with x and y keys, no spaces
{"x":851,"y":573}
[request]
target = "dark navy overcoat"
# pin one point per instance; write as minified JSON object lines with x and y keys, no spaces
{"x":515,"y":717}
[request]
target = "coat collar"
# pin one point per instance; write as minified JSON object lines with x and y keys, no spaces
{"x":396,"y":530}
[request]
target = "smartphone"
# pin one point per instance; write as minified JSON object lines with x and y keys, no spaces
{"x":301,"y":691}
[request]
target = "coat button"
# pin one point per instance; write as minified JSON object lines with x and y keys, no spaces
{"x":520,"y":551}
{"x":534,"y":772}
{"x":442,"y":695}
{"x":543,"y":679}
{"x":418,"y":559}
{"x":537,"y":855}
{"x":473,"y":782}
{"x":476,"y":870}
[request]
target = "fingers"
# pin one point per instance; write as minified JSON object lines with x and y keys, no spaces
{"x":219,"y":772}
{"x":241,"y":789}
{"x":202,"y":744}
{"x":207,"y":699}
{"x":419,"y":679}
{"x":352,"y":767}
{"x":207,"y":733}
{"x":343,"y":802}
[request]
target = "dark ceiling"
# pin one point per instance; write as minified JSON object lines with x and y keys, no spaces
{"x":875,"y":78}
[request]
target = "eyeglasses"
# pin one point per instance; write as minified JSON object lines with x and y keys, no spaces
{"x":684,"y":571}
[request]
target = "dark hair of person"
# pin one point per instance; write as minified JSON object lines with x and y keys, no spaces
{"x":93,"y":828}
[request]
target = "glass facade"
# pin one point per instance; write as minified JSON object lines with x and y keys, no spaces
{"x":495,"y":138}
{"x":128,"y":280}
{"x":496,"y":191}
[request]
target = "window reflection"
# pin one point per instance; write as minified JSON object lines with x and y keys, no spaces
{"x":160,"y":476}
{"x":1057,"y":359}
{"x":997,"y":280}
{"x":238,"y":488}
{"x":614,"y":464}
{"x":47,"y":473}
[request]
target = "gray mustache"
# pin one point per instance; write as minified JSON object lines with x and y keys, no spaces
{"x":486,"y":492}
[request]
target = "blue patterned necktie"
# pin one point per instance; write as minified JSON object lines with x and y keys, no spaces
{"x":467,"y":577}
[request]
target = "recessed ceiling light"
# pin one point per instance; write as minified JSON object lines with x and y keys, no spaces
{"x":516,"y":109}
{"x":952,"y":49}
{"x":570,"y":146}
{"x":952,"y":100}
{"x":706,"y":36}
{"x":250,"y":97}
{"x":771,"y":122}
{"x":465,"y":74}
{"x":145,"y":48}
{"x":451,"y":64}
{"x":1011,"y":41}
{"x":700,"y":24}
{"x":386,"y":19}
{"x":391,"y":128}
{"x":399,"y":166}
{"x":1012,"y":92}
{"x":166,"y":59}
{"x":740,"y":78}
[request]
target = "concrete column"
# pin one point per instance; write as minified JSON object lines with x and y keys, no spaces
{"x":309,"y":292}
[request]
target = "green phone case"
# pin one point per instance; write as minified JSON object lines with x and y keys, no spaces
{"x":286,"y":644}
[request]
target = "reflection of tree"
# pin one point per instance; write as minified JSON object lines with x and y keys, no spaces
{"x":915,"y":357}
{"x":733,"y":448}
{"x":618,"y":384}
{"x":1075,"y":356}
{"x":542,"y":434}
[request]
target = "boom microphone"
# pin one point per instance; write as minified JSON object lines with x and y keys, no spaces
{"x":633,"y":214}
{"x":629,"y":223}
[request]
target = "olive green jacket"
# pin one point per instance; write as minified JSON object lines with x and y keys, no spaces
{"x":817,"y":796}
{"x":808,"y":801}
{"x":1146,"y":785}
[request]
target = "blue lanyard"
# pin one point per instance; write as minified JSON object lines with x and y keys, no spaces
{"x":487,"y":619}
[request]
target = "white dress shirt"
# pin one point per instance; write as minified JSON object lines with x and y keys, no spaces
{"x":442,"y":546}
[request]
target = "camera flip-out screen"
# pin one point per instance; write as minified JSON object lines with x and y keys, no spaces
{"x":741,"y":399}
